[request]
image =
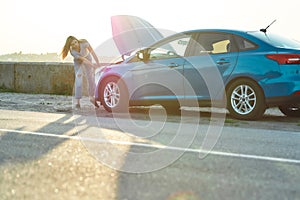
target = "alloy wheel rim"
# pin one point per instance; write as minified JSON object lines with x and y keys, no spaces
{"x":111,"y":94}
{"x":243,"y":99}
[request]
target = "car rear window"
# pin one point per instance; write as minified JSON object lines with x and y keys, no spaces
{"x":276,"y":40}
{"x":244,"y":44}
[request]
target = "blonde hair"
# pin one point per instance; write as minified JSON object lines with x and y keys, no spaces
{"x":66,"y":48}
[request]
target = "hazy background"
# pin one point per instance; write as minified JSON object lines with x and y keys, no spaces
{"x":42,"y":26}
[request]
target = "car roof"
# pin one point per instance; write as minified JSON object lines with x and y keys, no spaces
{"x":233,"y":31}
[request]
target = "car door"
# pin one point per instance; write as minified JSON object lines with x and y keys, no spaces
{"x":210,"y":61}
{"x":160,"y":77}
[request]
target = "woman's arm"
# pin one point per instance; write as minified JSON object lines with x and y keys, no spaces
{"x":85,"y":61}
{"x":91,"y":50}
{"x":80,"y":58}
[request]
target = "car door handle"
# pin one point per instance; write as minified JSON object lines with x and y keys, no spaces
{"x":222,"y":62}
{"x":173,"y":65}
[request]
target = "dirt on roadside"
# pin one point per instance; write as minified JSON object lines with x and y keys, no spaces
{"x":272,"y":120}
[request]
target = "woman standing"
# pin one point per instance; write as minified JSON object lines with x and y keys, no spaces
{"x":81,"y":51}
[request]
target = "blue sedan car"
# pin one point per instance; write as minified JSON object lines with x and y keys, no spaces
{"x":246,"y":72}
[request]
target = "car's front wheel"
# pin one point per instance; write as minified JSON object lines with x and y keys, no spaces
{"x":245,"y":100}
{"x":291,"y":110}
{"x":114,"y":95}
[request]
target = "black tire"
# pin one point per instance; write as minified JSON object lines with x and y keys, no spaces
{"x":291,"y":110}
{"x":114,"y":95}
{"x":245,"y":100}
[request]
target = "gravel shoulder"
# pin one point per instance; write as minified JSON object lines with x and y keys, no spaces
{"x":272,"y":120}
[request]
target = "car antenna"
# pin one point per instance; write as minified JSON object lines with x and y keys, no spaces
{"x":265,"y":29}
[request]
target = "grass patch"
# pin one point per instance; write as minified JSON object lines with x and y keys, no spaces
{"x":3,"y":89}
{"x":231,"y":121}
{"x":234,"y":122}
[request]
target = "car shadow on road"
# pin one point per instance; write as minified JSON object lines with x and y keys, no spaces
{"x":272,"y":119}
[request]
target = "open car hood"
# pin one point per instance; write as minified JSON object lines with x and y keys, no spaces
{"x":131,"y":33}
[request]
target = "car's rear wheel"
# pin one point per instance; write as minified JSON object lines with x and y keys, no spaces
{"x":114,"y":95}
{"x":245,"y":100}
{"x":290,"y":110}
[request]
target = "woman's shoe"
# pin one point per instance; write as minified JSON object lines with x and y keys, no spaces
{"x":94,"y":102}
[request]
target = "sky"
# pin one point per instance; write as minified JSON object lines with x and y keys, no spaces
{"x":42,"y":26}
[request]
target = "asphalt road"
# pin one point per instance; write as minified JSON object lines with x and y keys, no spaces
{"x":88,"y":154}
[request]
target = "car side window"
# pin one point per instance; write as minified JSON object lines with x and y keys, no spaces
{"x":213,"y":43}
{"x":170,"y":49}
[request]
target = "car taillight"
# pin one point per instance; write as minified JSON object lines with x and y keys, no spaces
{"x":285,"y":58}
{"x":297,"y":93}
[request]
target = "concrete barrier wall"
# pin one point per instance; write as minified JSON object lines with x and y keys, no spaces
{"x":7,"y":74}
{"x":38,"y":77}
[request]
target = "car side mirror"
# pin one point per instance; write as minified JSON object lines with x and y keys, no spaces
{"x":142,"y":55}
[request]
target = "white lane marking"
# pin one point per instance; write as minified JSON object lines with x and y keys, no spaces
{"x":155,"y":146}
